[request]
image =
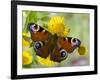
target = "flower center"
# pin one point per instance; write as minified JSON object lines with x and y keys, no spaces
{"x":59,"y":28}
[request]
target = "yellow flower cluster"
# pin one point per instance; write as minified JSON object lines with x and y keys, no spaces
{"x":27,"y":58}
{"x":46,"y":62}
{"x":57,"y":26}
{"x":25,"y":42}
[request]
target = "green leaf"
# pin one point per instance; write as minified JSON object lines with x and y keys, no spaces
{"x":31,"y":18}
{"x":45,"y":18}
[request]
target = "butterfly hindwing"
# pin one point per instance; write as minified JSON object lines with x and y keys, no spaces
{"x":58,"y":54}
{"x":64,"y":47}
{"x":43,"y":51}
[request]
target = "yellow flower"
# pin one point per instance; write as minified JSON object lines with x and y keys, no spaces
{"x":27,"y":58}
{"x":25,"y":41}
{"x":46,"y":62}
{"x":56,"y":26}
{"x":26,"y":34}
{"x":82,"y":50}
{"x":66,"y":32}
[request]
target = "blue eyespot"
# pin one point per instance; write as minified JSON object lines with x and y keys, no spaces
{"x":38,"y":45}
{"x":63,"y":53}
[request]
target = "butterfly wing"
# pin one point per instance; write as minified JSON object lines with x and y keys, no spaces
{"x":64,"y":47}
{"x":40,"y":37}
{"x":69,"y":43}
{"x":38,"y":33}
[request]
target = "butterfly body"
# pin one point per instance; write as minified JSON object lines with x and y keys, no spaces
{"x":47,"y":44}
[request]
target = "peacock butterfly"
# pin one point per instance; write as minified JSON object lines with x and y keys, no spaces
{"x":46,"y":44}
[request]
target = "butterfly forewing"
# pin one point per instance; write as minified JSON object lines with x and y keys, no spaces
{"x":69,"y":43}
{"x":38,"y":33}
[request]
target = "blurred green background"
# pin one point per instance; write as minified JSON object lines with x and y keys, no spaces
{"x":78,"y":23}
